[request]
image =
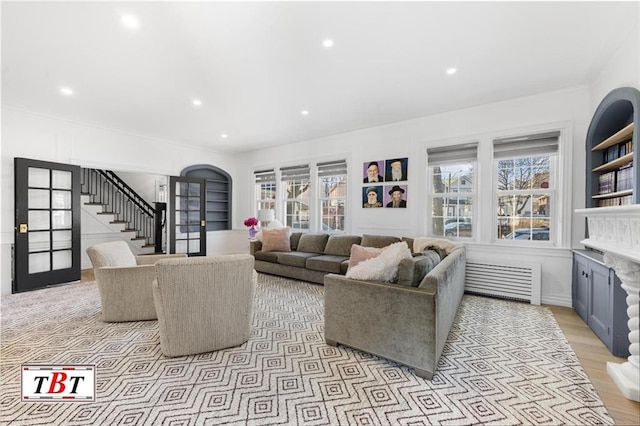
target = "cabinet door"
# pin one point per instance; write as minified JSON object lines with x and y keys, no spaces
{"x":580,"y":290}
{"x":600,"y":306}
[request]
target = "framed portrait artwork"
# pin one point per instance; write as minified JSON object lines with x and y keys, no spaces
{"x":396,"y":169}
{"x":373,"y":171}
{"x":395,"y":196}
{"x":372,"y":197}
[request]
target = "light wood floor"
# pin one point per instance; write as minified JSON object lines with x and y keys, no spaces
{"x":593,"y":356}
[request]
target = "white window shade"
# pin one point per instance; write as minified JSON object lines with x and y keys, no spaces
{"x":265,"y":176}
{"x":526,"y":146}
{"x":295,"y":173}
{"x":452,"y":154}
{"x":332,"y":168}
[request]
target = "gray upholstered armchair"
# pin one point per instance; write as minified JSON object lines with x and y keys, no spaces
{"x":124,"y":281}
{"x":204,"y":303}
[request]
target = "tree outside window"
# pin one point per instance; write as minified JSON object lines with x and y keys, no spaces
{"x":524,"y":198}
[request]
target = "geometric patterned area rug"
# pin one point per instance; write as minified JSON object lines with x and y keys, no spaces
{"x":504,"y":363}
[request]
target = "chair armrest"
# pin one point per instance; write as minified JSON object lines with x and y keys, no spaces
{"x":150,"y":259}
{"x":126,"y":293}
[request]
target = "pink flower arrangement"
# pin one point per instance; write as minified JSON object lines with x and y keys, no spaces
{"x":250,"y":221}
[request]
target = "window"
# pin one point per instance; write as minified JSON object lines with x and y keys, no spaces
{"x":332,"y":182}
{"x":525,"y":186}
{"x":451,"y":171}
{"x":303,"y":201}
{"x":295,"y":183}
{"x":265,"y":189}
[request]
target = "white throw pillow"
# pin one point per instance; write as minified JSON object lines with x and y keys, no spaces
{"x":383,"y":267}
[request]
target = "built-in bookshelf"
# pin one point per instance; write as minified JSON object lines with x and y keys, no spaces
{"x":612,"y":151}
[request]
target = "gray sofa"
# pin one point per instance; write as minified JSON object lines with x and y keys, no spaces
{"x":313,"y":256}
{"x":407,"y":321}
{"x":405,"y":324}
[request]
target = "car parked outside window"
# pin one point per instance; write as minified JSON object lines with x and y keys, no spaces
{"x":540,"y":234}
{"x":458,"y":229}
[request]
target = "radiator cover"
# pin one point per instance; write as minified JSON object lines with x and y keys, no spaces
{"x":519,"y":281}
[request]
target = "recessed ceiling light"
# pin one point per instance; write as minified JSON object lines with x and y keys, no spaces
{"x":224,"y":136}
{"x":451,"y":71}
{"x":304,"y":112}
{"x":197,"y":102}
{"x":327,"y":43}
{"x":130,"y":21}
{"x":67,"y":91}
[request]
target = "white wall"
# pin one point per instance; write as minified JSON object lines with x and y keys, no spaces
{"x":622,"y":70}
{"x":49,"y":139}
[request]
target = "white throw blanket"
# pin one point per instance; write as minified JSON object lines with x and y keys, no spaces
{"x":420,"y":243}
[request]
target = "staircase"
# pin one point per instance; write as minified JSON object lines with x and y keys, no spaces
{"x":115,"y":204}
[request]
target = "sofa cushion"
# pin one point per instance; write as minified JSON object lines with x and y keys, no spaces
{"x":360,"y":253}
{"x":340,"y":245}
{"x":276,"y":239}
{"x":271,"y":256}
{"x":313,"y":243}
{"x":412,"y":271}
{"x":326,"y":263}
{"x":378,"y":241}
{"x":383,"y":267}
{"x":295,"y":239}
{"x":295,"y":258}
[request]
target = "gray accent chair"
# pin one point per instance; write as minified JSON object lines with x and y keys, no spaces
{"x":402,"y":323}
{"x":124,"y":281}
{"x":204,"y":303}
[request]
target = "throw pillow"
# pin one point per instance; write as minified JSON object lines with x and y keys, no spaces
{"x":360,"y":253}
{"x":383,"y":267}
{"x":274,"y":224}
{"x":276,"y":239}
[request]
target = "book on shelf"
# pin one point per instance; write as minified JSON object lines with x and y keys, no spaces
{"x":607,"y":182}
{"x":624,"y":200}
{"x":625,"y":148}
{"x":624,"y":178}
{"x":614,"y":152}
{"x":611,"y":153}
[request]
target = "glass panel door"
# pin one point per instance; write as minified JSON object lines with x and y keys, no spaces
{"x":47,"y":224}
{"x":187,"y":216}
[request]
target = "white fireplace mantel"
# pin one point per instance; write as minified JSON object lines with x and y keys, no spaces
{"x":616,"y":232}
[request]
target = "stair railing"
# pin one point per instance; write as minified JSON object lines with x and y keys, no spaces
{"x":107,"y":189}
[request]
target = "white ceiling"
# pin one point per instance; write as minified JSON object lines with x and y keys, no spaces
{"x":255,"y":66}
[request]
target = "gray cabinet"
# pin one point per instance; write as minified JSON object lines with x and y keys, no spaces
{"x":599,"y":299}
